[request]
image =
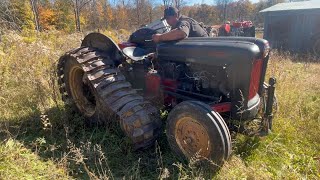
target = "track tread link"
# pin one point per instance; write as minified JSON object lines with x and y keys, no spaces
{"x":138,"y":118}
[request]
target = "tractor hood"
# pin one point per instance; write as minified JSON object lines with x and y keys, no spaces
{"x":208,"y":51}
{"x":238,"y":57}
{"x":261,"y":43}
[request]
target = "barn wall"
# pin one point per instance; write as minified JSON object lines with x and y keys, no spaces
{"x":292,"y":30}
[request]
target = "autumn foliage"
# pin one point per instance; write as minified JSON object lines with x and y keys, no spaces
{"x":88,"y":15}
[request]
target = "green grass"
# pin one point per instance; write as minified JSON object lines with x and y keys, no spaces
{"x":42,"y":138}
{"x":18,"y":162}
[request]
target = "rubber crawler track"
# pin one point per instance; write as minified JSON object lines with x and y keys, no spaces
{"x":138,"y":118}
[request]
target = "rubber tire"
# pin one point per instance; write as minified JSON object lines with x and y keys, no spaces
{"x":139,"y":120}
{"x":99,"y":115}
{"x":213,"y":123}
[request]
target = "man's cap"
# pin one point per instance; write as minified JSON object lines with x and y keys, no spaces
{"x":170,"y":11}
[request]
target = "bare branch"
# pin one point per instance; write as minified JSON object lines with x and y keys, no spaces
{"x":83,"y":4}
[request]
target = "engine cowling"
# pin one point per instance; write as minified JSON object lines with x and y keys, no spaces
{"x":221,"y":69}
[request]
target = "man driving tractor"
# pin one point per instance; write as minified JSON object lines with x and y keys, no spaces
{"x":181,"y":27}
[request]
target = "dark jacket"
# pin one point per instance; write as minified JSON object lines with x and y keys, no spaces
{"x":191,"y":27}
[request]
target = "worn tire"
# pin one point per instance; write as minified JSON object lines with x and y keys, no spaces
{"x":88,"y":68}
{"x":193,"y":128}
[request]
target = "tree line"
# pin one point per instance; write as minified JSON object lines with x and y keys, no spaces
{"x":81,"y":15}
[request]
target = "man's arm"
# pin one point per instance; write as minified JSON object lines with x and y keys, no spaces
{"x":175,"y":34}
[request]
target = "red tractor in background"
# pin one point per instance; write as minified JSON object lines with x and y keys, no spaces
{"x":243,"y":28}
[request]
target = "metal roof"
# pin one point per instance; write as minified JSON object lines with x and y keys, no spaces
{"x":314,"y":4}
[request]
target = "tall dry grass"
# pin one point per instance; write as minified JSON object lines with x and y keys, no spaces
{"x":292,"y":151}
{"x":41,"y":138}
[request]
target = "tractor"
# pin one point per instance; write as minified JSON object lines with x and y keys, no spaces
{"x":204,"y":84}
{"x":243,"y":28}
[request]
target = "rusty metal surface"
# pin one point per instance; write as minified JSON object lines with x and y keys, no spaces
{"x":192,"y":137}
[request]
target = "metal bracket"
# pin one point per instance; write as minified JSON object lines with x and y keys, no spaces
{"x":268,"y":116}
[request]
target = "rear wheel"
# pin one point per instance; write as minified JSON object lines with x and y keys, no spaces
{"x":76,"y":89}
{"x":89,"y":80}
{"x":193,"y":129}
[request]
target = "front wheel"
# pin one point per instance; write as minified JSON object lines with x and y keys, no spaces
{"x":194,"y":129}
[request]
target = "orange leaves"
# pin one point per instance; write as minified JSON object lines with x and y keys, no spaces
{"x":121,"y":17}
{"x":48,"y":18}
{"x":108,"y":13}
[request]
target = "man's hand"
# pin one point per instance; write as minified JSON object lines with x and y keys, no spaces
{"x":156,"y":38}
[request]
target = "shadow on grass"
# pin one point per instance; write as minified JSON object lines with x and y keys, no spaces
{"x":87,"y":150}
{"x":245,"y":145}
{"x":65,"y":137}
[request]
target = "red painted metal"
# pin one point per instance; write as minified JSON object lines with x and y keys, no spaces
{"x":123,"y":45}
{"x":227,"y":28}
{"x":153,"y":84}
{"x":244,"y":24}
{"x":171,"y":85}
{"x":255,"y":78}
{"x":222,"y":107}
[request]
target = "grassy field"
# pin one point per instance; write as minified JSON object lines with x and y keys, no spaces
{"x":42,"y":139}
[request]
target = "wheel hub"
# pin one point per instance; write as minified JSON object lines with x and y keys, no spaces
{"x":81,"y":91}
{"x":192,"y":137}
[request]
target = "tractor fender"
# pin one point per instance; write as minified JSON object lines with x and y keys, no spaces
{"x":103,"y":43}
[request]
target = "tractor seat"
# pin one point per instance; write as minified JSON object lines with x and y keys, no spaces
{"x":135,"y":53}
